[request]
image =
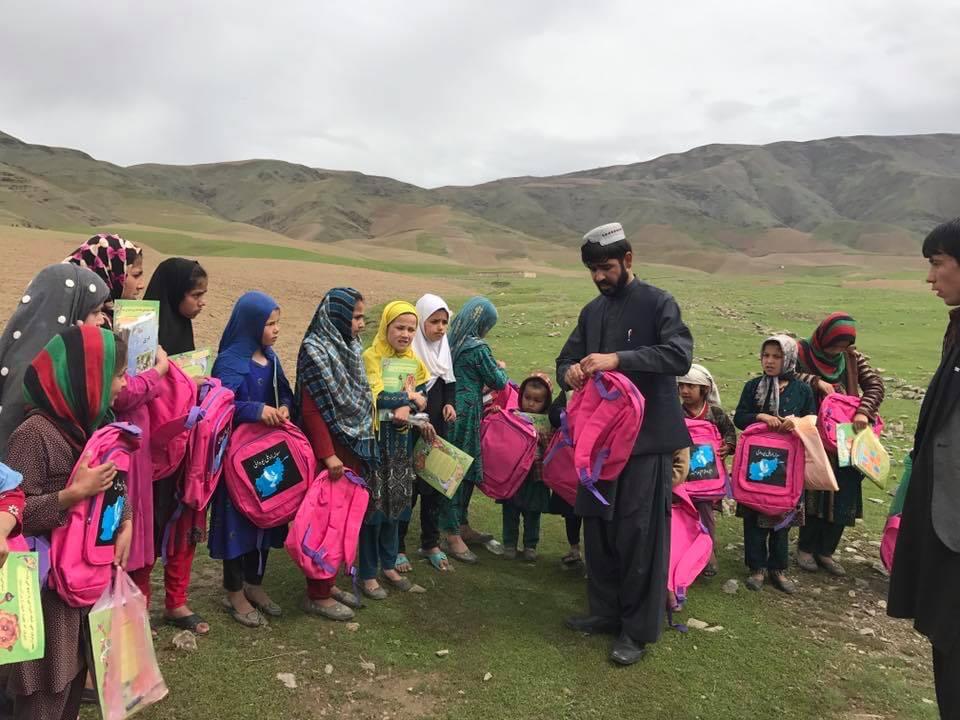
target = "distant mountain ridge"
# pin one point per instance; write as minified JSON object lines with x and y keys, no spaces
{"x":866,"y":193}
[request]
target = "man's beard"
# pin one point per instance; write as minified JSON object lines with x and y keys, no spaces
{"x":612,"y":290}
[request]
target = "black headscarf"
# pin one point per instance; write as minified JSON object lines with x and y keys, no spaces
{"x":171,"y":281}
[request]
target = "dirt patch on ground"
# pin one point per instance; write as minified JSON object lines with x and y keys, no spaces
{"x":917,"y":284}
{"x":381,"y":697}
{"x":297,"y":286}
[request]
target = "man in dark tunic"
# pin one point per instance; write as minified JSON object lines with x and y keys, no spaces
{"x":925,"y":583}
{"x":636,"y":329}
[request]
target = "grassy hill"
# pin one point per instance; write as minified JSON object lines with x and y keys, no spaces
{"x":835,"y":197}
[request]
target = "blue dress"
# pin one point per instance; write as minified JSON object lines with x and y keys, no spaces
{"x":231,"y":533}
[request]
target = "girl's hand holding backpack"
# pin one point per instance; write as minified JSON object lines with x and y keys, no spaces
{"x":90,"y":481}
{"x":271,"y":416}
{"x":121,"y":549}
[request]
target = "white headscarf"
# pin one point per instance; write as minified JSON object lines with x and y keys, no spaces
{"x":435,"y":355}
{"x":699,"y":375}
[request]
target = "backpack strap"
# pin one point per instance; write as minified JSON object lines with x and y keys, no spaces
{"x":566,"y":439}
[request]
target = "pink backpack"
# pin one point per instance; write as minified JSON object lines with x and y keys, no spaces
{"x":690,"y":546}
{"x":207,"y":444}
{"x":508,"y":447}
{"x":707,"y":478}
{"x":267,"y":471}
{"x":325,"y":532}
{"x":888,"y":543}
{"x":508,"y":398}
{"x":837,"y":409}
{"x":558,"y":472}
{"x":768,"y":470}
{"x":605,"y":418}
{"x":173,"y":412}
{"x":82,"y":549}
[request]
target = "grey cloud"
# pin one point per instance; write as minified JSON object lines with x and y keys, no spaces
{"x":436,"y":93}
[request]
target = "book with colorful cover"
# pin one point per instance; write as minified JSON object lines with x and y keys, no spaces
{"x":441,"y":465}
{"x":21,"y":617}
{"x":540,"y":421}
{"x":871,"y":458}
{"x":845,"y":436}
{"x":195,"y":363}
{"x":138,"y":322}
{"x":398,"y":374}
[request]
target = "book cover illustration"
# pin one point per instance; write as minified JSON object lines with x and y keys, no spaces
{"x":138,"y":322}
{"x":845,"y":436}
{"x":21,"y":618}
{"x":399,"y":375}
{"x":195,"y":363}
{"x":441,"y":465}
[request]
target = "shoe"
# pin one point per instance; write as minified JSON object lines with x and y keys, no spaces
{"x":530,"y":555}
{"x":472,"y":537}
{"x":806,"y":561}
{"x":403,"y":585}
{"x":782,"y":583}
{"x":593,"y":624}
{"x":346,"y":598}
{"x":338,"y":611}
{"x":627,"y":652}
{"x":831,"y":566}
{"x":379,"y":593}
{"x":510,"y":553}
{"x":754,"y":583}
{"x":270,"y":608}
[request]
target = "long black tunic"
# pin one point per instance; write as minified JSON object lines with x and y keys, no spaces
{"x":642,"y":324}
{"x":925,"y":583}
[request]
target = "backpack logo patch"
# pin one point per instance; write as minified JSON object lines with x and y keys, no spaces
{"x":270,"y":471}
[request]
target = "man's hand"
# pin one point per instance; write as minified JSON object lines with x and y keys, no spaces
{"x":600,"y":362}
{"x":574,"y":377}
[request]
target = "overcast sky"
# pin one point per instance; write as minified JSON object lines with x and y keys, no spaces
{"x":457,"y":92}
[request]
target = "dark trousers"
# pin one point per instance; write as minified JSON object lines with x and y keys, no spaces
{"x":429,"y":517}
{"x":247,"y":568}
{"x":819,"y":536}
{"x":764,"y":548}
{"x":946,"y":677}
{"x":64,"y":705}
{"x":511,"y":526}
{"x":573,"y":523}
{"x":627,"y":555}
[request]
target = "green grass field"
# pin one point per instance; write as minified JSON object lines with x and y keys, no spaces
{"x":801,"y":657}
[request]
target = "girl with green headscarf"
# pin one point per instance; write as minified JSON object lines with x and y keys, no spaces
{"x":475,"y":369}
{"x":69,"y":388}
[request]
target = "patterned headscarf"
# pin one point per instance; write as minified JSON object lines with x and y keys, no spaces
{"x":108,"y":256}
{"x":381,"y":350}
{"x":56,"y":299}
{"x":69,"y":381}
{"x":768,"y":391}
{"x":699,"y":375}
{"x":471,"y":325}
{"x":330,"y":368}
{"x":837,"y":327}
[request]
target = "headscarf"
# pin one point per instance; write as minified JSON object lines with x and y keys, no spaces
{"x":545,"y":379}
{"x":471,"y":325}
{"x":699,"y":375}
{"x":381,"y":350}
{"x":242,"y":337}
{"x":171,"y":281}
{"x":330,"y":368}
{"x":435,"y":354}
{"x":56,"y":298}
{"x":69,"y":381}
{"x":768,"y":391}
{"x":108,"y":256}
{"x":837,"y":327}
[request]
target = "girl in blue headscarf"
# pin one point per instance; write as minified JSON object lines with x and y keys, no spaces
{"x":475,"y":369}
{"x":247,"y":364}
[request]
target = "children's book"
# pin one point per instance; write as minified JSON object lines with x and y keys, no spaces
{"x":196,"y":363}
{"x":871,"y":458}
{"x":399,"y":374}
{"x":441,"y":465}
{"x":138,"y":322}
{"x":21,"y":617}
{"x":845,"y":436}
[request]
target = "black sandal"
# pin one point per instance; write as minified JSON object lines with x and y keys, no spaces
{"x":187,"y":622}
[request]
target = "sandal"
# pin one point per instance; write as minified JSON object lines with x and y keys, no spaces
{"x":337,"y":612}
{"x":187,"y":622}
{"x":403,"y":564}
{"x":252,"y":619}
{"x":709,"y":571}
{"x":571,"y":558}
{"x":346,"y":598}
{"x":440,"y":561}
{"x":831,"y":566}
{"x":404,"y":585}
